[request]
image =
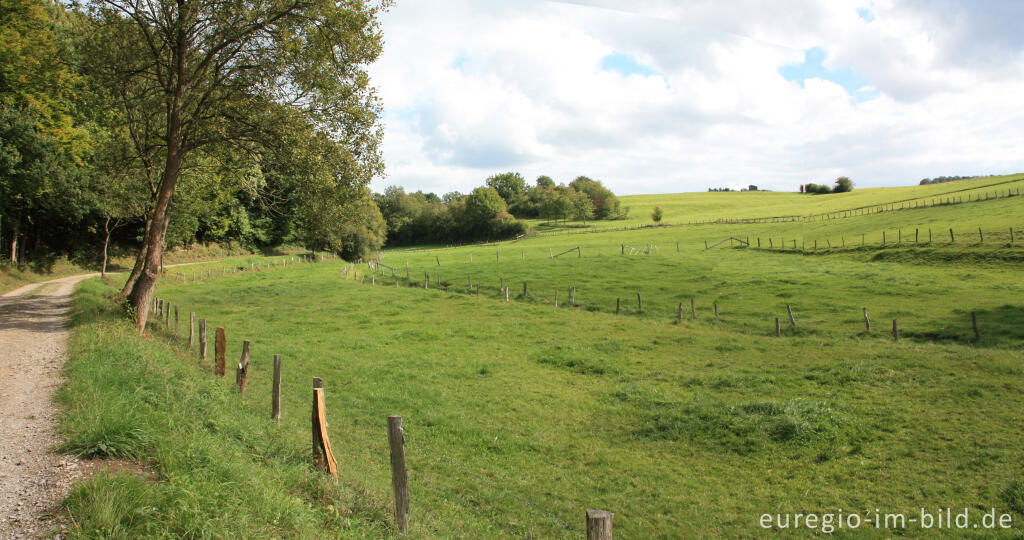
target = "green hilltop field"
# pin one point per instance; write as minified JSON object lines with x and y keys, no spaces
{"x":519,"y":414}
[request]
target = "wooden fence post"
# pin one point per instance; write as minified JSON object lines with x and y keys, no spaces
{"x":322,"y":451}
{"x":929,"y":236}
{"x":556,"y":298}
{"x":951,"y":238}
{"x":219,"y":346}
{"x":202,"y":339}
{"x":716,"y":309}
{"x":399,"y":476}
{"x":789,"y":310}
{"x":639,"y":303}
{"x":867,"y":322}
{"x":407,"y":278}
{"x":524,"y":289}
{"x":895,"y":331}
{"x":191,"y":329}
{"x":242,"y":371}
{"x":981,"y":235}
{"x":275,"y":392}
{"x":599,"y":525}
{"x":778,"y":328}
{"x":175,"y":319}
{"x":167,"y":316}
{"x":974,"y":324}
{"x":617,"y":300}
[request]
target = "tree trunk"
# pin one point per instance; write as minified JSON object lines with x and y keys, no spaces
{"x":140,"y":260}
{"x":14,"y":246}
{"x":106,"y":242}
{"x":142,"y":293}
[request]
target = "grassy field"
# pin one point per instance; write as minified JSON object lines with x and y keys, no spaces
{"x":518,"y":415}
{"x":683,"y":208}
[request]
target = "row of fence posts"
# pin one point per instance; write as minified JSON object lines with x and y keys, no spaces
{"x":504,"y":292}
{"x":599,"y":522}
{"x":863,"y":239}
{"x":867,"y":324}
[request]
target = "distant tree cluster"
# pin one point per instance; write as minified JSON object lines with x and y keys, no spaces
{"x":944,"y":179}
{"x":490,"y":211}
{"x":581,"y":200}
{"x":425,"y":218}
{"x":842,"y":185}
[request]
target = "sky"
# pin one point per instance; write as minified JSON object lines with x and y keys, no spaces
{"x":659,"y":96}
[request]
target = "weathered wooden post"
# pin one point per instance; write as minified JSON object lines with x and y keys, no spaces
{"x":407,"y":278}
{"x":191,"y":329}
{"x":867,"y":322}
{"x":506,"y":294}
{"x":716,"y":309}
{"x":599,"y":525}
{"x":929,"y":236}
{"x":895,"y":331}
{"x":974,"y":324}
{"x":242,"y":371}
{"x":556,"y":298}
{"x":883,"y":238}
{"x":399,"y":475}
{"x":639,"y":303}
{"x":323,"y":454}
{"x":789,"y":310}
{"x":219,"y":350}
{"x":202,"y":339}
{"x":981,"y":235}
{"x":478,"y":289}
{"x":524,"y":289}
{"x":438,"y":259}
{"x":617,"y":301}
{"x":951,"y":237}
{"x":778,"y":328}
{"x":175,"y":319}
{"x":275,"y":392}
{"x":705,"y":244}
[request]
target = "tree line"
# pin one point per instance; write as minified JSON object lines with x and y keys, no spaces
{"x":492,"y":211}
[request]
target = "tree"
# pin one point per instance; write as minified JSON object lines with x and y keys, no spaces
{"x":483,"y":205}
{"x":240,"y":75}
{"x":657,"y":214}
{"x":545,"y":182}
{"x":606,"y":204}
{"x":509,"y":185}
{"x":843,"y":185}
{"x":583,"y":207}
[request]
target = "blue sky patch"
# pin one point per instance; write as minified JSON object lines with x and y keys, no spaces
{"x":625,"y":64}
{"x":865,"y":14}
{"x":812,"y":68}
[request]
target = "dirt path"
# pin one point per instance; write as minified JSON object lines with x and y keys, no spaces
{"x":33,"y":340}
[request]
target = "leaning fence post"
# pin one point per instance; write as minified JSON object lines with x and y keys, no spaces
{"x":951,"y":238}
{"x":716,"y":309}
{"x":242,"y":371}
{"x":322,"y":451}
{"x":599,"y":525}
{"x":789,"y":310}
{"x":639,"y":303}
{"x":399,"y":476}
{"x":974,"y":324}
{"x":275,"y":393}
{"x":981,"y":235}
{"x":219,"y":344}
{"x":867,"y":322}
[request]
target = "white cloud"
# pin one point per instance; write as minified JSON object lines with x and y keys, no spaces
{"x":473,"y":88}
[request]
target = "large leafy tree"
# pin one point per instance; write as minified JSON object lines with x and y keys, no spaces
{"x":510,"y":185}
{"x":242,"y":77}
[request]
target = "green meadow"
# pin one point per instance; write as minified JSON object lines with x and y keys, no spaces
{"x":519,"y":415}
